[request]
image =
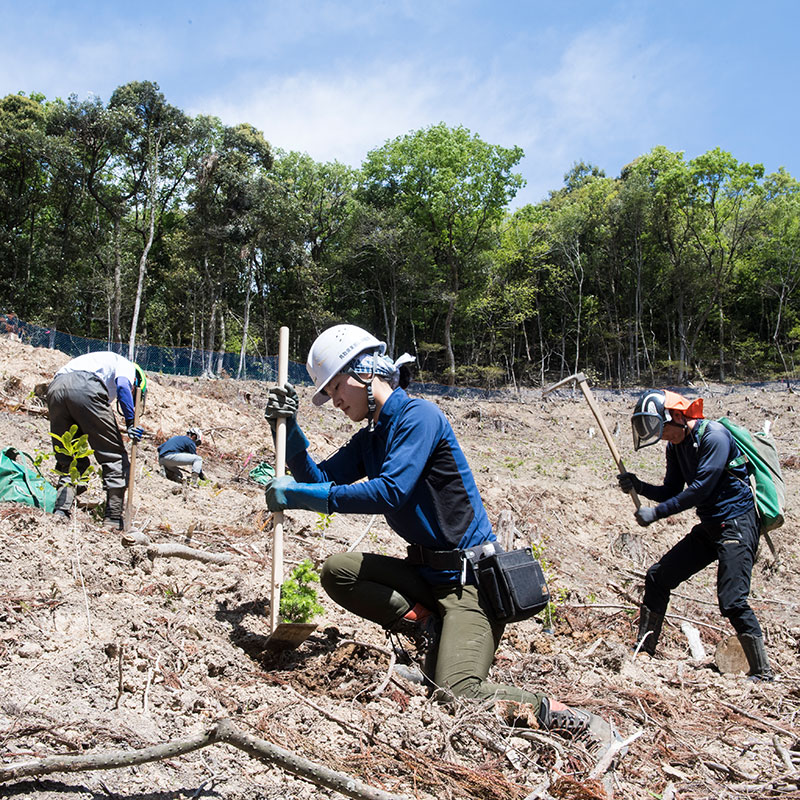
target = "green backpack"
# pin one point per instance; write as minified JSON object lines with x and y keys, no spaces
{"x":20,"y":483}
{"x":761,"y":457}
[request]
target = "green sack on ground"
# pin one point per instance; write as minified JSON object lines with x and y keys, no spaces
{"x":21,"y":483}
{"x":262,"y":473}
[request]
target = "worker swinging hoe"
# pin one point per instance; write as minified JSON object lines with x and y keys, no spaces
{"x":583,"y":382}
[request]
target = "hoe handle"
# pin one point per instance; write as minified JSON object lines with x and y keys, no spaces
{"x":128,"y":518}
{"x":587,"y":393}
{"x":280,"y":471}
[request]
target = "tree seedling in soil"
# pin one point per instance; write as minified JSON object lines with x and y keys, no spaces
{"x":323,"y":523}
{"x":513,"y":465}
{"x":77,"y":448}
{"x":298,"y":595}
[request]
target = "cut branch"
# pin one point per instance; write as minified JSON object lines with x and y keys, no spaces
{"x":173,"y":550}
{"x":223,"y":731}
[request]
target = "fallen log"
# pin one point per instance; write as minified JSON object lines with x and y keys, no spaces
{"x":222,"y":732}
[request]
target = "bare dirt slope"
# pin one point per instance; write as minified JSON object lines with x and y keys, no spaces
{"x":104,"y":648}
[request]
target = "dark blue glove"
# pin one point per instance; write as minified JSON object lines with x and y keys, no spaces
{"x":646,"y":515}
{"x":286,"y":492}
{"x":628,"y":481}
{"x":135,"y":433}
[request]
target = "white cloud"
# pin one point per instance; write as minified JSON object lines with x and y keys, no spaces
{"x":606,"y":95}
{"x":597,"y":94}
{"x":337,"y":116}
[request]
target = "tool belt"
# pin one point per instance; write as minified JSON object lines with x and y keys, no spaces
{"x":512,"y":584}
{"x":435,"y":559}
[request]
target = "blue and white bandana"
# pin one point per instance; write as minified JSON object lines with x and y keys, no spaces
{"x":380,"y":366}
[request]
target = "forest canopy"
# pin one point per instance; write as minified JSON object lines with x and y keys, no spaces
{"x":132,"y":221}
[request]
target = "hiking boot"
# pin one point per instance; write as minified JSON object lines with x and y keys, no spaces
{"x":576,"y":724}
{"x":753,"y":647}
{"x":422,"y":627}
{"x":649,"y":630}
{"x":424,"y":633}
{"x":114,"y":517}
{"x":64,"y":500}
{"x":411,"y":673}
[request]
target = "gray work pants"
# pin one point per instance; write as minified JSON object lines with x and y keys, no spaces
{"x":79,"y":398}
{"x":173,"y":462}
{"x":178,"y":460}
{"x":383,"y":589}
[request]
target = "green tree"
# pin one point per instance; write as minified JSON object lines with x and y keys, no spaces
{"x":24,"y":178}
{"x":154,"y":159}
{"x":724,"y":210}
{"x":452,"y":185}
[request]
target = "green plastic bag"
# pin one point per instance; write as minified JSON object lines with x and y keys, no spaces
{"x":262,"y":473}
{"x":20,"y":483}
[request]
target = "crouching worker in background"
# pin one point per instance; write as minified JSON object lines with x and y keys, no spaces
{"x":81,"y":393}
{"x":179,"y":452}
{"x":704,"y":470}
{"x":418,"y":477}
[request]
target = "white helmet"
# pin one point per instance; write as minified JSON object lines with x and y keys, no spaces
{"x":333,"y":350}
{"x":197,"y":433}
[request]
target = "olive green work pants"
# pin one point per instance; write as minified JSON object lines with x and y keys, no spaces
{"x":383,"y":589}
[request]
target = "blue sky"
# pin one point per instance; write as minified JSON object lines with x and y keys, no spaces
{"x":566,"y":80}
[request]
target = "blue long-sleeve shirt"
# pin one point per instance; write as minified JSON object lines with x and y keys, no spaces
{"x":701,"y":467}
{"x":177,"y":444}
{"x":417,"y":476}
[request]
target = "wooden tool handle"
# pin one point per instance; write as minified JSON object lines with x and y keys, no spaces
{"x":132,"y":470}
{"x":280,"y":471}
{"x":587,"y":393}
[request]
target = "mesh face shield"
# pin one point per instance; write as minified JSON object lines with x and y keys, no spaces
{"x":647,"y":429}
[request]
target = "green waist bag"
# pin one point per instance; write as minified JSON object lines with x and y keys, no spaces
{"x":20,"y":483}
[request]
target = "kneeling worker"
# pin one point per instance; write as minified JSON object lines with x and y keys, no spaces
{"x":181,"y":451}
{"x":418,"y":477}
{"x":81,"y":393}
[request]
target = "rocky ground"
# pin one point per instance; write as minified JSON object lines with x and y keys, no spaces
{"x":107,"y":646}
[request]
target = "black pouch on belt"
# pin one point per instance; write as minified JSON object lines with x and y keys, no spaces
{"x":512,"y":583}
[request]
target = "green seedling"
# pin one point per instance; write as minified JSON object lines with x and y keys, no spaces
{"x":298,"y":596}
{"x":513,"y":465}
{"x":323,"y":523}
{"x":77,"y":448}
{"x":40,"y":456}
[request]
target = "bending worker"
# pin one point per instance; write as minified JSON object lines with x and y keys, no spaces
{"x":418,"y":477}
{"x":181,"y":451}
{"x":81,"y":393}
{"x":699,"y":474}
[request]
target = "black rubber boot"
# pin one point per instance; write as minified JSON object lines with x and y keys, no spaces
{"x":753,"y":647}
{"x":64,"y":500}
{"x":114,"y":518}
{"x":649,"y":630}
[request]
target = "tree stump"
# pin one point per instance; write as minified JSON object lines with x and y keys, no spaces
{"x":730,"y":658}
